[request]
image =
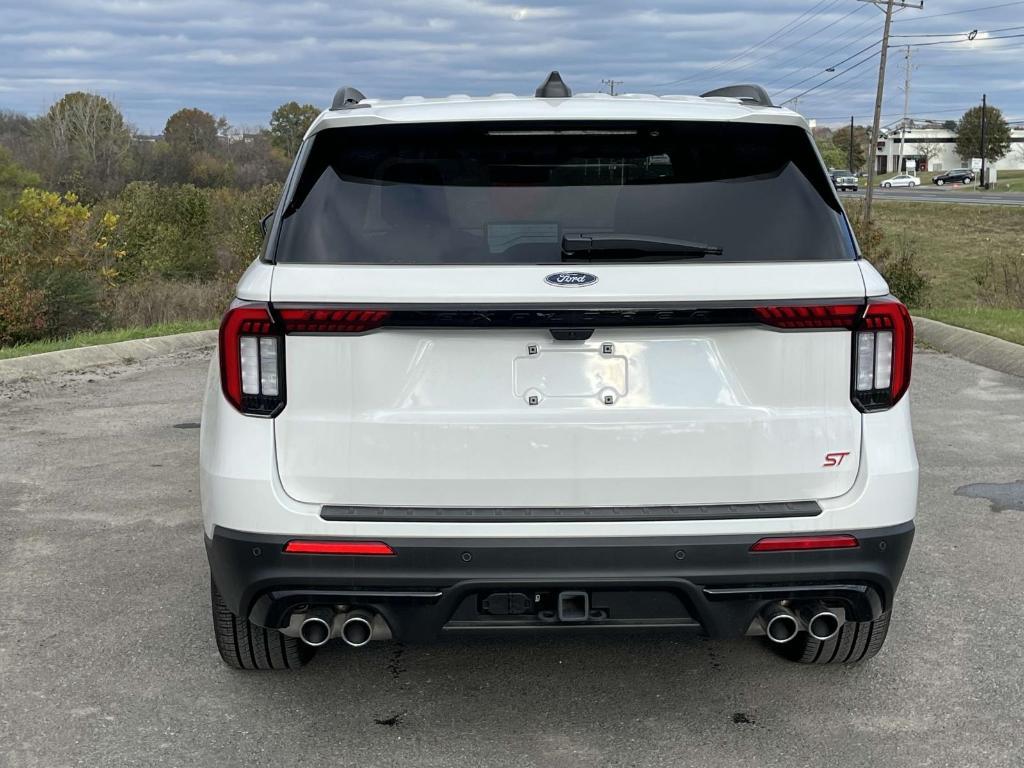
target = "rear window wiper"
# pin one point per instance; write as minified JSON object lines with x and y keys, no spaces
{"x":600,"y":246}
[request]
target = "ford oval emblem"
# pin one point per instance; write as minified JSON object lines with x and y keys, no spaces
{"x":571,"y":279}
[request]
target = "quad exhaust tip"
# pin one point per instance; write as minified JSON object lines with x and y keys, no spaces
{"x":357,"y":630}
{"x":315,"y":629}
{"x":822,"y":624}
{"x":780,"y":624}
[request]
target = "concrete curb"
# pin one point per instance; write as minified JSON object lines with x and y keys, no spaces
{"x":980,"y":348}
{"x":120,"y":352}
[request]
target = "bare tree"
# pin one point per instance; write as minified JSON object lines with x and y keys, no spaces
{"x":929,"y":150}
{"x":89,"y":140}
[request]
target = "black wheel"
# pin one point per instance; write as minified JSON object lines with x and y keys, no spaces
{"x":855,"y":641}
{"x":244,"y":645}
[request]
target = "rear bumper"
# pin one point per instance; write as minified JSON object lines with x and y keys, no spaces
{"x":436,"y":585}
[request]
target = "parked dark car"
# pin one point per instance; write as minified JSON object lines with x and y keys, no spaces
{"x":955,"y":176}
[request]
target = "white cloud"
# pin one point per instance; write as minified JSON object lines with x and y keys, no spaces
{"x":242,"y":58}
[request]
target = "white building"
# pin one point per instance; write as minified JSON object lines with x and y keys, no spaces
{"x":933,"y":147}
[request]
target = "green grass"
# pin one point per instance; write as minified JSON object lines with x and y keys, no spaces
{"x":104,"y":337}
{"x":955,"y":246}
{"x":953,"y":243}
{"x":1005,"y":323}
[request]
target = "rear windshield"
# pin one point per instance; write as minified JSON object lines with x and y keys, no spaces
{"x":507,"y":193}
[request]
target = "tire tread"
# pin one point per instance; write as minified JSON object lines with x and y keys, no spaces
{"x":244,"y":645}
{"x":856,"y":641}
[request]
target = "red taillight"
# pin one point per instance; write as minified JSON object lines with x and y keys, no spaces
{"x":799,"y":543}
{"x":883,"y":350}
{"x":811,"y":316}
{"x":331,"y":320}
{"x":252,"y":360}
{"x":313,"y":547}
{"x":252,"y":335}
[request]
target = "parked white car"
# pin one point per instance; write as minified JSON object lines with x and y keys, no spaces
{"x":553,"y":361}
{"x":902,"y":180}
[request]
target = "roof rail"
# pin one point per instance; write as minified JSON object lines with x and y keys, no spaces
{"x":348,"y":97}
{"x":753,"y":94}
{"x":553,"y":88}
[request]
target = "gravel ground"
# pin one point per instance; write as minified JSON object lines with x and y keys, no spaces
{"x":107,"y":655}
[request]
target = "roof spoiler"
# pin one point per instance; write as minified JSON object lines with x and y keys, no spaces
{"x":348,"y":97}
{"x":751,"y":94}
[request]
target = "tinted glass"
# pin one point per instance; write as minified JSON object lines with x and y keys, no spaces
{"x":505,"y":193}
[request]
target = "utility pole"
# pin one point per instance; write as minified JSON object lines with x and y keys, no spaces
{"x":879,"y":92}
{"x":611,"y":85}
{"x":906,"y":109}
{"x":984,"y":116}
{"x":851,"y":145}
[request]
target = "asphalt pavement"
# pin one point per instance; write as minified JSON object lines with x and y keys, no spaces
{"x":107,"y":654}
{"x":934,"y":194}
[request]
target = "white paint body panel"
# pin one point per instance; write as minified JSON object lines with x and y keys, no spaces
{"x":241,"y":490}
{"x":715,"y":415}
{"x":701,"y":414}
{"x":617,"y":283}
{"x":579,"y":107}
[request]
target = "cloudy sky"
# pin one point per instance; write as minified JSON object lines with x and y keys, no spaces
{"x":241,"y":59}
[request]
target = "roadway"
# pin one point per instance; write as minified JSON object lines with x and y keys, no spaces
{"x":934,"y":194}
{"x":107,"y":654}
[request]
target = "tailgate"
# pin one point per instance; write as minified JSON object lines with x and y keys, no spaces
{"x":684,"y":412}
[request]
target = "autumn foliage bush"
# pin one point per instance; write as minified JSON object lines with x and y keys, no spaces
{"x":155,"y":253}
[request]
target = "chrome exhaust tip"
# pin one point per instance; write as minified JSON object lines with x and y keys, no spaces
{"x":315,"y":629}
{"x":780,"y":624}
{"x":357,"y":630}
{"x":822,"y":623}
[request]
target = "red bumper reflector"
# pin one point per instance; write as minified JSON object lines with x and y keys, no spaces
{"x":796,"y":543}
{"x":307,"y":547}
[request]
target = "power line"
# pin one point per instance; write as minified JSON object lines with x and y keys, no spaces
{"x":958,"y":13}
{"x":965,"y":40}
{"x":788,"y":27}
{"x":852,"y":67}
{"x":954,"y":34}
{"x":817,"y":74}
{"x":818,"y":62}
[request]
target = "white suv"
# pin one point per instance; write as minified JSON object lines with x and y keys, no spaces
{"x":554,"y":362}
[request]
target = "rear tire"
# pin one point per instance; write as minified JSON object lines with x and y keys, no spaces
{"x":244,"y":645}
{"x":856,"y":641}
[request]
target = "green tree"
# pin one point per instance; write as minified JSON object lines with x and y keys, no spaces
{"x":164,"y":231}
{"x":968,"y":134}
{"x":89,"y":142}
{"x":55,"y":255}
{"x":288,"y":124}
{"x":13,"y":179}
{"x":193,"y":130}
{"x":841,"y":139}
{"x":833,"y":157}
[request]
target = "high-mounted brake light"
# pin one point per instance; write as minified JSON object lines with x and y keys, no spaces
{"x":251,"y":360}
{"x":801,"y":543}
{"x":883,"y":349}
{"x":314,"y":547}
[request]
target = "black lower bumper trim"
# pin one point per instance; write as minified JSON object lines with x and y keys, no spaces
{"x":569,"y":514}
{"x":432,"y":586}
